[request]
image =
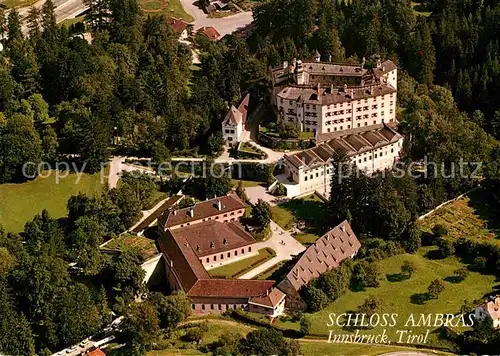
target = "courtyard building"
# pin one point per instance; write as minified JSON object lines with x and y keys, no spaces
{"x":205,"y":236}
{"x":322,"y":97}
{"x":371,"y":149}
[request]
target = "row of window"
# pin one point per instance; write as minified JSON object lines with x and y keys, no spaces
{"x":214,"y":258}
{"x":229,"y":131}
{"x":217,"y":306}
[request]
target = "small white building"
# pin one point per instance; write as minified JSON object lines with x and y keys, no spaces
{"x":271,"y":304}
{"x":234,"y":124}
{"x":489,"y":308}
{"x":180,"y":26}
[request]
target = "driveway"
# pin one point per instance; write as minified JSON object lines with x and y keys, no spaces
{"x":259,"y":192}
{"x":225,"y":25}
{"x":285,"y":246}
{"x":116,"y":167}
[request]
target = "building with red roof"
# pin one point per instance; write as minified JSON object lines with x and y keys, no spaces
{"x":209,"y":32}
{"x":234,"y":123}
{"x":179,"y":26}
{"x":206,"y":236}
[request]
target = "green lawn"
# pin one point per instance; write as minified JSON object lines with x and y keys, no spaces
{"x":69,"y":22}
{"x":235,"y":269}
{"x":145,"y":247}
{"x":269,"y":272}
{"x":469,"y":217}
{"x":216,"y":328}
{"x":170,"y":8}
{"x":20,"y":202}
{"x":245,"y":183}
{"x":18,"y":3}
{"x":307,"y":239}
{"x":326,"y":349}
{"x":309,"y":209}
{"x":402,"y":297}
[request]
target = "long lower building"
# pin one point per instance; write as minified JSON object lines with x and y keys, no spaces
{"x":374,"y":148}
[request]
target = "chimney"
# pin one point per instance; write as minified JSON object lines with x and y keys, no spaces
{"x":329,"y":58}
{"x":225,"y":242}
{"x":363,"y":63}
{"x":285,"y":64}
{"x":318,"y":87}
{"x":345,"y":88}
{"x":174,"y":212}
{"x":219,"y":204}
{"x":342,"y":228}
{"x":191,"y":212}
{"x":267,"y":292}
{"x":331,"y":88}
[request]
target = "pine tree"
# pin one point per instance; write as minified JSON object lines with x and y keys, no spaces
{"x":337,"y":51}
{"x":34,"y":25}
{"x":49,"y":21}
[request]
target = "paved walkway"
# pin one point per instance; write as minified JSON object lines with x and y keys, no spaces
{"x":286,"y":251}
{"x":224,"y":26}
{"x":117,"y":166}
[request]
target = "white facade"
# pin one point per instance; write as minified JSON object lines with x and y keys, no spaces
{"x":311,"y":171}
{"x":324,"y":118}
{"x":234,"y":124}
{"x":490,"y":308}
{"x":338,"y":97}
{"x":231,"y":133}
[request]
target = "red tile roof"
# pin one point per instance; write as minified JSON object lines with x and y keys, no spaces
{"x":204,"y":210}
{"x":182,"y":258}
{"x":178,"y":25}
{"x":271,"y":299}
{"x":96,"y":352}
{"x":235,"y":115}
{"x":237,"y":288}
{"x":210,"y":32}
{"x":209,"y":237}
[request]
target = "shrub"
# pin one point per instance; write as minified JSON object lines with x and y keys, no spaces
{"x":439,"y":230}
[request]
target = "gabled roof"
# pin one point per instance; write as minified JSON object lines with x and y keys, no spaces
{"x":238,"y":288}
{"x":325,"y":254}
{"x":209,"y":31}
{"x":353,"y":142}
{"x":202,"y":210}
{"x":178,"y":25}
{"x":236,"y":115}
{"x":271,"y":299}
{"x":96,"y":352}
{"x":209,"y":237}
{"x":492,"y":307}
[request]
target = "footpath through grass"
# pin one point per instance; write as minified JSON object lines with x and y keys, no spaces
{"x":404,"y":297}
{"x":20,"y":202}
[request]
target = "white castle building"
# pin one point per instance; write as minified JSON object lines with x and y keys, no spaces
{"x":349,"y":108}
{"x":329,"y":97}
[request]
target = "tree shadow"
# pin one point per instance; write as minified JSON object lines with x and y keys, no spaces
{"x":396,"y":277}
{"x":419,"y":298}
{"x":433,"y":255}
{"x":453,"y":279}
